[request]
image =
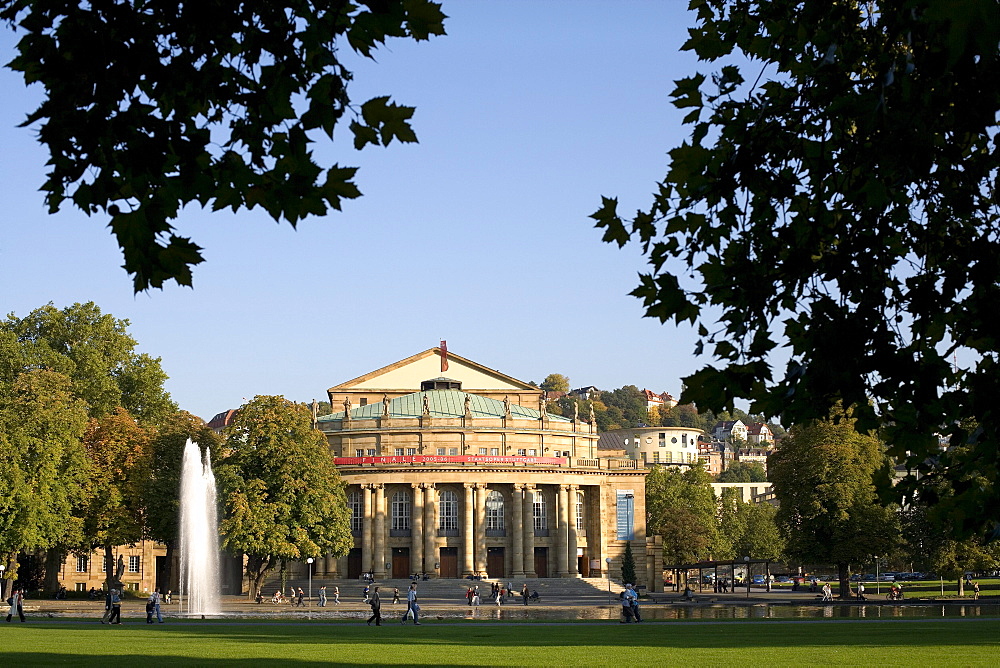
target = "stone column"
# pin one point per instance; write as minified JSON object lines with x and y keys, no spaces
{"x":468,"y":530}
{"x":571,"y":547}
{"x":562,"y":516}
{"x":517,"y":531}
{"x":380,"y":532}
{"x":481,"y":493}
{"x":528,"y":530}
{"x":366,"y":530}
{"x":417,"y":529}
{"x":430,"y":528}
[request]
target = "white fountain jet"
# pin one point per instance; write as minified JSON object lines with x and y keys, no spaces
{"x":199,"y":539}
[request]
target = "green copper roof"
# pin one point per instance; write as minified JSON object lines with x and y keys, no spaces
{"x":442,"y":404}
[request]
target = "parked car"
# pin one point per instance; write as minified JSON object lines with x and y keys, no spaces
{"x":782,"y":579}
{"x":887,"y":577}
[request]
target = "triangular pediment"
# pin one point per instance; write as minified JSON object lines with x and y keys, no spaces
{"x":407,"y":374}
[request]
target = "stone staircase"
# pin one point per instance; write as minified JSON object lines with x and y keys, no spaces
{"x":560,"y":590}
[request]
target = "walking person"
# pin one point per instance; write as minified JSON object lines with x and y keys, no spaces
{"x":861,"y":591}
{"x":975,"y":591}
{"x":634,"y":601}
{"x":336,"y":594}
{"x":299,"y":602}
{"x":626,"y":608}
{"x":107,"y":608}
{"x":510,"y":589}
{"x":376,"y":602}
{"x":475,"y":595}
{"x":524,"y":594}
{"x":322,"y":597}
{"x":395,"y":595}
{"x":16,"y":604}
{"x":411,"y":605}
{"x":155,"y":598}
{"x":116,"y":608}
{"x":468,"y":595}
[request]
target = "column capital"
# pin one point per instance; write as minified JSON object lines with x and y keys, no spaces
{"x":518,"y":486}
{"x":469,"y":485}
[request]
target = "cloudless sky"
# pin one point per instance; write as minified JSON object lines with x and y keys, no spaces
{"x":527,"y":112}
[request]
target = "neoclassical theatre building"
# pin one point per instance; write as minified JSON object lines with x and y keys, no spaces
{"x":455,"y":469}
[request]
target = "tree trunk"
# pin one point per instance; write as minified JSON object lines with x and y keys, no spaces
{"x":53,"y":564}
{"x":257,"y":569}
{"x":109,"y":567}
{"x":961,"y":586}
{"x":168,"y":569}
{"x":844,"y":575}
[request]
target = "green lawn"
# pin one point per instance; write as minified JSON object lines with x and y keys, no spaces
{"x":921,"y":643}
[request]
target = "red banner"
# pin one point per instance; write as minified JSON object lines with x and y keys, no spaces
{"x":448,"y":459}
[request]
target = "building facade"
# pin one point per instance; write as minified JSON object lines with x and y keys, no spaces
{"x":655,"y":445}
{"x":454,"y":469}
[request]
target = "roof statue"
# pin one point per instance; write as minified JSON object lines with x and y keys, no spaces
{"x":468,"y":406}
{"x":427,"y":405}
{"x":385,"y":405}
{"x":506,"y":406}
{"x":347,"y":408}
{"x":576,"y":412}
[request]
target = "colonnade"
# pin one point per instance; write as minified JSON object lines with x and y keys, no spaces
{"x":559,"y":533}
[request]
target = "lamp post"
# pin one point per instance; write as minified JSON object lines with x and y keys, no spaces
{"x":746,"y":574}
{"x":2,"y":583}
{"x":608,"y":562}
{"x":876,"y":576}
{"x":309,"y":565}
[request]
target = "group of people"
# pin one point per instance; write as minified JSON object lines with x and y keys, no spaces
{"x":375,"y":601}
{"x":498,"y":593}
{"x":630,"y":605}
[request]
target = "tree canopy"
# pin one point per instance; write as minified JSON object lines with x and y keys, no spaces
{"x":95,"y":351}
{"x":150,"y":107}
{"x":282,"y":496}
{"x":824,"y":476}
{"x":555,"y":382}
{"x":837,"y":196}
{"x":680,"y":506}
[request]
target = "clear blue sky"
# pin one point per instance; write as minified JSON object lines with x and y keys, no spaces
{"x":527,"y":112}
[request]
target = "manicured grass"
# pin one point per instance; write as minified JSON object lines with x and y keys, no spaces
{"x":920,"y":643}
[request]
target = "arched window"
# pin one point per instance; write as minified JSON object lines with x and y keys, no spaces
{"x":494,"y":511}
{"x":539,"y":512}
{"x":448,"y":510}
{"x":580,"y":518}
{"x":357,"y":508}
{"x":401,"y":511}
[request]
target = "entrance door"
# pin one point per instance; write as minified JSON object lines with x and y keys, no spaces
{"x":354,"y":563}
{"x":401,"y":562}
{"x":542,"y":562}
{"x":449,"y":562}
{"x":494,"y":562}
{"x":583,"y":565}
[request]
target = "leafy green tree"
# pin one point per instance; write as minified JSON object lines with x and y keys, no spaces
{"x":761,"y":537}
{"x":823,"y":476}
{"x":119,"y":452}
{"x":680,"y":506}
{"x":628,"y":565}
{"x":837,"y":197}
{"x":161,"y":492}
{"x":97,"y":353}
{"x":282,"y":496}
{"x":149,"y":108}
{"x":555,"y":382}
{"x":631,"y":404}
{"x":743,"y":472}
{"x":45,"y":470}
